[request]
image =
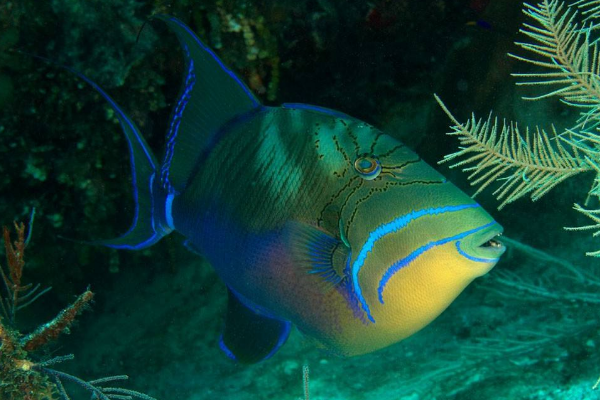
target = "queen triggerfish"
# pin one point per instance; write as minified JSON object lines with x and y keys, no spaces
{"x":309,"y":216}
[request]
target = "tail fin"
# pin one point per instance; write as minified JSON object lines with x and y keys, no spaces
{"x":211,"y":96}
{"x":146,"y":228}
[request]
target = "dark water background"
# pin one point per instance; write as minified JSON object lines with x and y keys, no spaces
{"x":158,"y":312}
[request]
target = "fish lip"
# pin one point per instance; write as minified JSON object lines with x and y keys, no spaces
{"x":475,"y":244}
{"x":492,"y":232}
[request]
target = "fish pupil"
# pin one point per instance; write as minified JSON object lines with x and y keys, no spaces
{"x":365,"y":164}
{"x":368,"y":166}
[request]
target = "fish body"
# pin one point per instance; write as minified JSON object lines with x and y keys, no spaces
{"x":309,"y":216}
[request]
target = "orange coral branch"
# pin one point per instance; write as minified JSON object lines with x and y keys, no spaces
{"x":7,"y":340}
{"x":15,"y":257}
{"x":15,"y":254}
{"x":61,"y":323}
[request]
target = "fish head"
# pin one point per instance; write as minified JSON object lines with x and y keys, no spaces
{"x":414,"y":239}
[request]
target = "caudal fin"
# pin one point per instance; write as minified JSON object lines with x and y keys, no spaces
{"x":145,"y":229}
{"x":211,"y":96}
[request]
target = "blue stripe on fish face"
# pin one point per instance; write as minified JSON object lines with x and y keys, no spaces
{"x":385,"y":229}
{"x":190,"y":81}
{"x":403,"y":262}
{"x":476,"y":259}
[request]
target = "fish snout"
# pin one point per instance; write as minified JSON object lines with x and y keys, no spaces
{"x":483,"y":246}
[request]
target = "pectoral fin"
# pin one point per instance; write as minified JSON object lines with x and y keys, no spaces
{"x":250,"y":334}
{"x":318,"y":252}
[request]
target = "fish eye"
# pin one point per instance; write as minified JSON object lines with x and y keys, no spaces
{"x":368,"y":167}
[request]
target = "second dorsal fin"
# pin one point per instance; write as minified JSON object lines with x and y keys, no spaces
{"x":210,"y":96}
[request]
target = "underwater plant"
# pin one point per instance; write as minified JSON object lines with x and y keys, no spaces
{"x":21,"y":377}
{"x":563,"y":42}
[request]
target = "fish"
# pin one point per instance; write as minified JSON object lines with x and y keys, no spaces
{"x":481,"y":23}
{"x":312,"y":218}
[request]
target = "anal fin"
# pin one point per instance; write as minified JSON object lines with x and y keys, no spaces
{"x":251,"y":335}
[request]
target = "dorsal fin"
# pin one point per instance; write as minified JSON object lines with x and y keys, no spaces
{"x":210,"y":96}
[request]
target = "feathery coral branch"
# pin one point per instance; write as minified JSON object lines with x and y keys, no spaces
{"x":524,"y":163}
{"x":563,"y":42}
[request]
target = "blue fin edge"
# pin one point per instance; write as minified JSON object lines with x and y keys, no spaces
{"x":127,"y":125}
{"x":319,"y":109}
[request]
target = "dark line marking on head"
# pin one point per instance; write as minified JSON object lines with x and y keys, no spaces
{"x":345,"y":203}
{"x":372,"y":150}
{"x":354,"y":139}
{"x":391,"y":151}
{"x":334,"y":198}
{"x":339,"y":149}
{"x":402,"y":165}
{"x":383,"y":189}
{"x":356,"y":204}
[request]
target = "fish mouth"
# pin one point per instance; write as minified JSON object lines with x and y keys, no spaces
{"x":491,"y":241}
{"x":484,"y":245}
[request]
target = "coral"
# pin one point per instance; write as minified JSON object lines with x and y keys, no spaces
{"x":21,"y":377}
{"x":306,"y":381}
{"x":532,"y":162}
